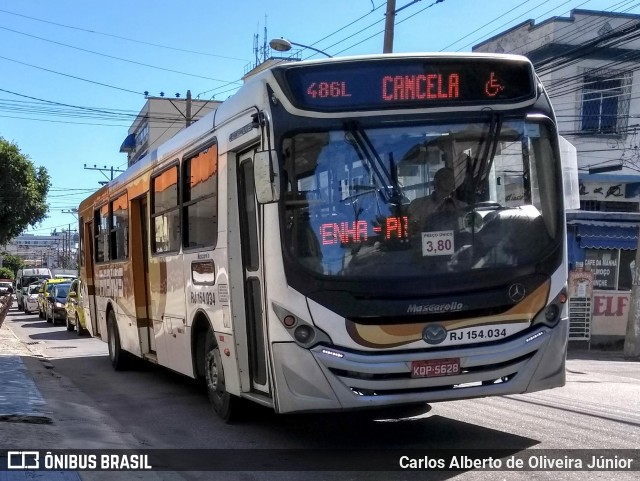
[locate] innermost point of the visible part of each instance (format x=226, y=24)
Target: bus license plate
x=435, y=367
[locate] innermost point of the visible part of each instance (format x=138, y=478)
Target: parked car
x=55, y=305
x=44, y=291
x=6, y=286
x=75, y=308
x=30, y=300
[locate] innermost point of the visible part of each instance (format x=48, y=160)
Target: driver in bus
x=442, y=199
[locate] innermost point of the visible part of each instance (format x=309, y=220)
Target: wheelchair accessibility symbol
x=493, y=87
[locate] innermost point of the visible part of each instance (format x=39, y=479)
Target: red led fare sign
x=410, y=83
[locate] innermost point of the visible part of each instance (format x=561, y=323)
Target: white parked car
x=6, y=287
x=31, y=299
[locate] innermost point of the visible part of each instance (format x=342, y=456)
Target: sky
x=74, y=73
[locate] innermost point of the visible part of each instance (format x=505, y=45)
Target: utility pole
x=390, y=22
x=187, y=115
x=389, y=25
x=68, y=252
x=188, y=109
x=103, y=169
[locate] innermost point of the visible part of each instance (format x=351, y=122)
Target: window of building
x=613, y=268
x=142, y=135
x=200, y=201
x=605, y=101
x=101, y=228
x=165, y=214
x=120, y=228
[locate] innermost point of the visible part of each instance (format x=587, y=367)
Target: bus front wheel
x=224, y=404
x=119, y=358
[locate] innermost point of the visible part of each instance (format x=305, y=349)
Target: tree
x=11, y=262
x=23, y=192
x=6, y=273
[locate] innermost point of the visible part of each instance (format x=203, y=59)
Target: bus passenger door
x=89, y=306
x=140, y=266
x=252, y=276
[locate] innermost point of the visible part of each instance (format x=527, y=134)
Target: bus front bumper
x=328, y=378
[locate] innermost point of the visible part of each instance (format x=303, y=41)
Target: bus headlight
x=551, y=314
x=303, y=333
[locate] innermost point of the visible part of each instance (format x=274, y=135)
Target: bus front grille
x=369, y=374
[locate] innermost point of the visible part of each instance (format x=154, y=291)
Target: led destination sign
x=413, y=83
x=332, y=233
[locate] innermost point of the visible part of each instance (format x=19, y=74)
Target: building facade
x=159, y=120
x=588, y=64
x=57, y=250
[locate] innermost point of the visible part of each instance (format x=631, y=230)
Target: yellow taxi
x=75, y=308
x=43, y=292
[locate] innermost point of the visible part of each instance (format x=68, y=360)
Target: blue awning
x=605, y=235
x=129, y=144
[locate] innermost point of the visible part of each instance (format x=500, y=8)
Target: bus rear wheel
x=225, y=405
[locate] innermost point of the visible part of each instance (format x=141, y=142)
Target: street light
x=284, y=45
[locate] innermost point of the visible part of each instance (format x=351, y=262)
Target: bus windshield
x=420, y=200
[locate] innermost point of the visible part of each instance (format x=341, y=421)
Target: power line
x=96, y=32
x=485, y=25
x=589, y=26
x=626, y=33
x=91, y=112
x=31, y=119
x=508, y=23
x=113, y=57
x=382, y=31
x=69, y=75
x=346, y=26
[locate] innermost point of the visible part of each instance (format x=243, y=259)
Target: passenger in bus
x=441, y=199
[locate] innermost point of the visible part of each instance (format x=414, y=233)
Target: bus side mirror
x=266, y=176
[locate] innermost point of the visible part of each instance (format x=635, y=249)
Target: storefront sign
x=604, y=264
x=607, y=191
x=610, y=313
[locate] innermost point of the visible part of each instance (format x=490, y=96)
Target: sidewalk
x=40, y=409
x=20, y=400
x=23, y=409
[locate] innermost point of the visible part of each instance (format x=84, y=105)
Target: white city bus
x=290, y=248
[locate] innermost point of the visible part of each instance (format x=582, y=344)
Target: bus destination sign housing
x=411, y=83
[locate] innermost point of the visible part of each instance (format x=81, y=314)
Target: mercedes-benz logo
x=434, y=334
x=517, y=292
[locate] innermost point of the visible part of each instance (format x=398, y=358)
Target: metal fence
x=5, y=304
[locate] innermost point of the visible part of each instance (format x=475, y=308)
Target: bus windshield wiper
x=485, y=160
x=369, y=156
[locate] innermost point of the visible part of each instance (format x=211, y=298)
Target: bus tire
x=120, y=359
x=225, y=405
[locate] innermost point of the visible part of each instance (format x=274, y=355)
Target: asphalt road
x=153, y=408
